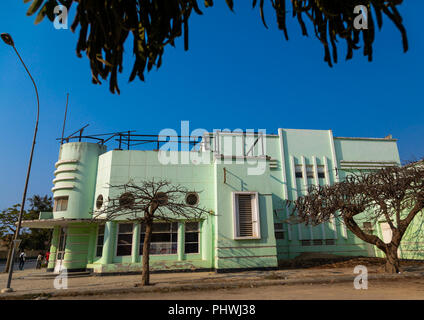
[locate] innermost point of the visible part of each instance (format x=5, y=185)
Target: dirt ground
x=377, y=290
x=328, y=261
x=290, y=278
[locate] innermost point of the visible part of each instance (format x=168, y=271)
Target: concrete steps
x=51, y=275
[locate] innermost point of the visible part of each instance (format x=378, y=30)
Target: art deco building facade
x=243, y=178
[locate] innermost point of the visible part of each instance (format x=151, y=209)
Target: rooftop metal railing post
x=129, y=140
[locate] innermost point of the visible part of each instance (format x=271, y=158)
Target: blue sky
x=237, y=74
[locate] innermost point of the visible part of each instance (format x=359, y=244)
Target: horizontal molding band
x=77, y=243
x=67, y=187
x=370, y=161
x=364, y=167
x=76, y=252
x=249, y=257
x=60, y=162
x=247, y=247
x=74, y=261
x=221, y=156
x=65, y=170
x=366, y=139
x=64, y=179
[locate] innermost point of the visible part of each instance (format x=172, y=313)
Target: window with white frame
x=321, y=172
x=310, y=172
x=164, y=238
x=191, y=237
x=100, y=239
x=305, y=243
x=60, y=203
x=246, y=215
x=298, y=171
x=279, y=231
x=125, y=236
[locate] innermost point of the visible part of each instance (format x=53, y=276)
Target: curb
x=205, y=286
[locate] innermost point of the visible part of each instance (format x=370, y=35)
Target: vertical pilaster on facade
x=180, y=249
x=206, y=242
x=109, y=237
x=295, y=192
x=316, y=179
x=215, y=227
x=284, y=177
x=53, y=247
x=327, y=182
x=305, y=185
x=135, y=251
x=336, y=172
x=92, y=230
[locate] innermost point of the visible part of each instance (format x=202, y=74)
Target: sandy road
x=377, y=290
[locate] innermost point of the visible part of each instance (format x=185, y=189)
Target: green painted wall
x=216, y=179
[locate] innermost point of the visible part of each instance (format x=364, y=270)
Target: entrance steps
x=52, y=275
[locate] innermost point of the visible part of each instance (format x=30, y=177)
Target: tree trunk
x=392, y=260
x=9, y=256
x=145, y=276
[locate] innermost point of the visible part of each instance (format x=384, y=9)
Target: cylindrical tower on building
x=75, y=180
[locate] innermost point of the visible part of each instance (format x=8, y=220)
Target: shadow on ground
x=325, y=261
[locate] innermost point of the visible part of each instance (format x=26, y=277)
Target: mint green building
x=244, y=178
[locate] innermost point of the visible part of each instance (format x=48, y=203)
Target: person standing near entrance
x=39, y=261
x=22, y=257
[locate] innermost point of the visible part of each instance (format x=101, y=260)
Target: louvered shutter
x=245, y=215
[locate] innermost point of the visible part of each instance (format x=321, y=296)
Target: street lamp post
x=9, y=41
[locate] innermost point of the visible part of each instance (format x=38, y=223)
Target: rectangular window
x=330, y=242
x=279, y=231
x=317, y=242
x=164, y=238
x=191, y=237
x=60, y=203
x=367, y=227
x=100, y=239
x=321, y=172
x=298, y=171
x=125, y=236
x=310, y=172
x=305, y=243
x=246, y=215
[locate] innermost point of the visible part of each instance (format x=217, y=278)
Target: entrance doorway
x=60, y=254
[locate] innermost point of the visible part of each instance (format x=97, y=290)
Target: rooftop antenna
x=64, y=120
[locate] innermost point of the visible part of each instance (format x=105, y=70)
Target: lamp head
x=7, y=38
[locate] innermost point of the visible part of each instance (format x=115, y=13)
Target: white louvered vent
x=245, y=215
x=273, y=163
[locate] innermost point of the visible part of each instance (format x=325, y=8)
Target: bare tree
x=394, y=195
x=148, y=202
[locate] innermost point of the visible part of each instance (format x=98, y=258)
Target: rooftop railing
x=130, y=139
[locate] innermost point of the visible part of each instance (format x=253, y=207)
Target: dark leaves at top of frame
x=104, y=27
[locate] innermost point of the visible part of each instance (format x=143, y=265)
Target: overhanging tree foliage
x=38, y=239
x=394, y=195
x=8, y=220
x=154, y=24
x=148, y=202
x=33, y=239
